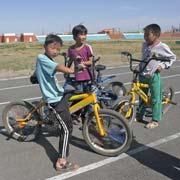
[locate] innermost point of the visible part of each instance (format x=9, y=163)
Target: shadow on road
x=158, y=161
x=51, y=152
x=80, y=143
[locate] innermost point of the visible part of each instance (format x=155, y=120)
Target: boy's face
x=149, y=37
x=53, y=49
x=81, y=37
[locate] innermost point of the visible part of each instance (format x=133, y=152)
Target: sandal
x=152, y=125
x=68, y=166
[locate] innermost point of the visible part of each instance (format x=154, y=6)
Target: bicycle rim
x=117, y=88
x=118, y=134
x=17, y=111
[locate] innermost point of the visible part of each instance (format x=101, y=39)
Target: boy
x=53, y=95
x=81, y=53
x=151, y=75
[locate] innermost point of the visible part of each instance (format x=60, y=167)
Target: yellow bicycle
x=105, y=131
x=127, y=107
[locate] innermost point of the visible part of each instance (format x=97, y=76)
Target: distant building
x=9, y=37
x=27, y=37
x=106, y=31
x=110, y=31
x=0, y=39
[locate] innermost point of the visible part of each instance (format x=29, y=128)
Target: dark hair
x=52, y=38
x=79, y=29
x=154, y=28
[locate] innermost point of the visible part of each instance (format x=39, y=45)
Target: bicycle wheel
x=167, y=94
x=118, y=133
x=116, y=89
x=127, y=110
x=18, y=110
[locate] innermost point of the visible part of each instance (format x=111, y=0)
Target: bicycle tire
x=20, y=110
x=123, y=107
x=118, y=89
x=168, y=92
x=118, y=133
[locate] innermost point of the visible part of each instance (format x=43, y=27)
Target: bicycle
x=105, y=131
x=127, y=107
x=108, y=94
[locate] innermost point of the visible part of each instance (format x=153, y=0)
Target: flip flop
x=152, y=125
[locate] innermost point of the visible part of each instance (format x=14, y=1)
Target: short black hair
x=52, y=38
x=154, y=28
x=79, y=29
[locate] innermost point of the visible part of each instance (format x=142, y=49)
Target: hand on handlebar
x=80, y=67
x=159, y=68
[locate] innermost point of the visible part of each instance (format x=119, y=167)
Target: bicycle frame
x=137, y=88
x=85, y=100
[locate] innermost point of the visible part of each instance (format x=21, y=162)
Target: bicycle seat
x=100, y=67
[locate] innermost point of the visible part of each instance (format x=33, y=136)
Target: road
x=154, y=154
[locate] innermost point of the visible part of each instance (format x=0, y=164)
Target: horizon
x=40, y=17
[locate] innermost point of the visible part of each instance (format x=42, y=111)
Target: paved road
x=154, y=154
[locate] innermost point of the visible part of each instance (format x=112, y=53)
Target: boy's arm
x=61, y=68
x=167, y=53
x=89, y=62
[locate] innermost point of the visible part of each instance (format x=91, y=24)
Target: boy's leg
x=156, y=100
x=61, y=110
x=65, y=121
x=156, y=97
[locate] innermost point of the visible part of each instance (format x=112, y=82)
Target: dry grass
x=19, y=58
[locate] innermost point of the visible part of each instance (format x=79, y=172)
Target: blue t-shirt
x=45, y=72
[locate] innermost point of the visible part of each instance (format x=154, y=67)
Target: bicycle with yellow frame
x=104, y=130
x=127, y=107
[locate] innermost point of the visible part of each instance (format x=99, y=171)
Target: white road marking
x=114, y=159
x=117, y=74
x=27, y=99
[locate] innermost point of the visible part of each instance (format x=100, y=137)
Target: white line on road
x=116, y=74
x=111, y=67
x=27, y=99
x=114, y=159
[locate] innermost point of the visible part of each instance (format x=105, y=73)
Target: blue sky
x=37, y=16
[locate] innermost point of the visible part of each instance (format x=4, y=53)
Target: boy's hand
x=80, y=67
x=159, y=68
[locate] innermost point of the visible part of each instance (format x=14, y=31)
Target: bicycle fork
x=99, y=120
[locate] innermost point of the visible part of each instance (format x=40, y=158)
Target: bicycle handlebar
x=129, y=56
x=95, y=60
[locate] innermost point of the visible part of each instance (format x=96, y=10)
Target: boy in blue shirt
x=53, y=95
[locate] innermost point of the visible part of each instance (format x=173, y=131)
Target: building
x=27, y=37
x=9, y=37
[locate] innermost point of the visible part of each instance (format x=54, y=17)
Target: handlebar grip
x=126, y=53
x=63, y=54
x=96, y=59
x=79, y=68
